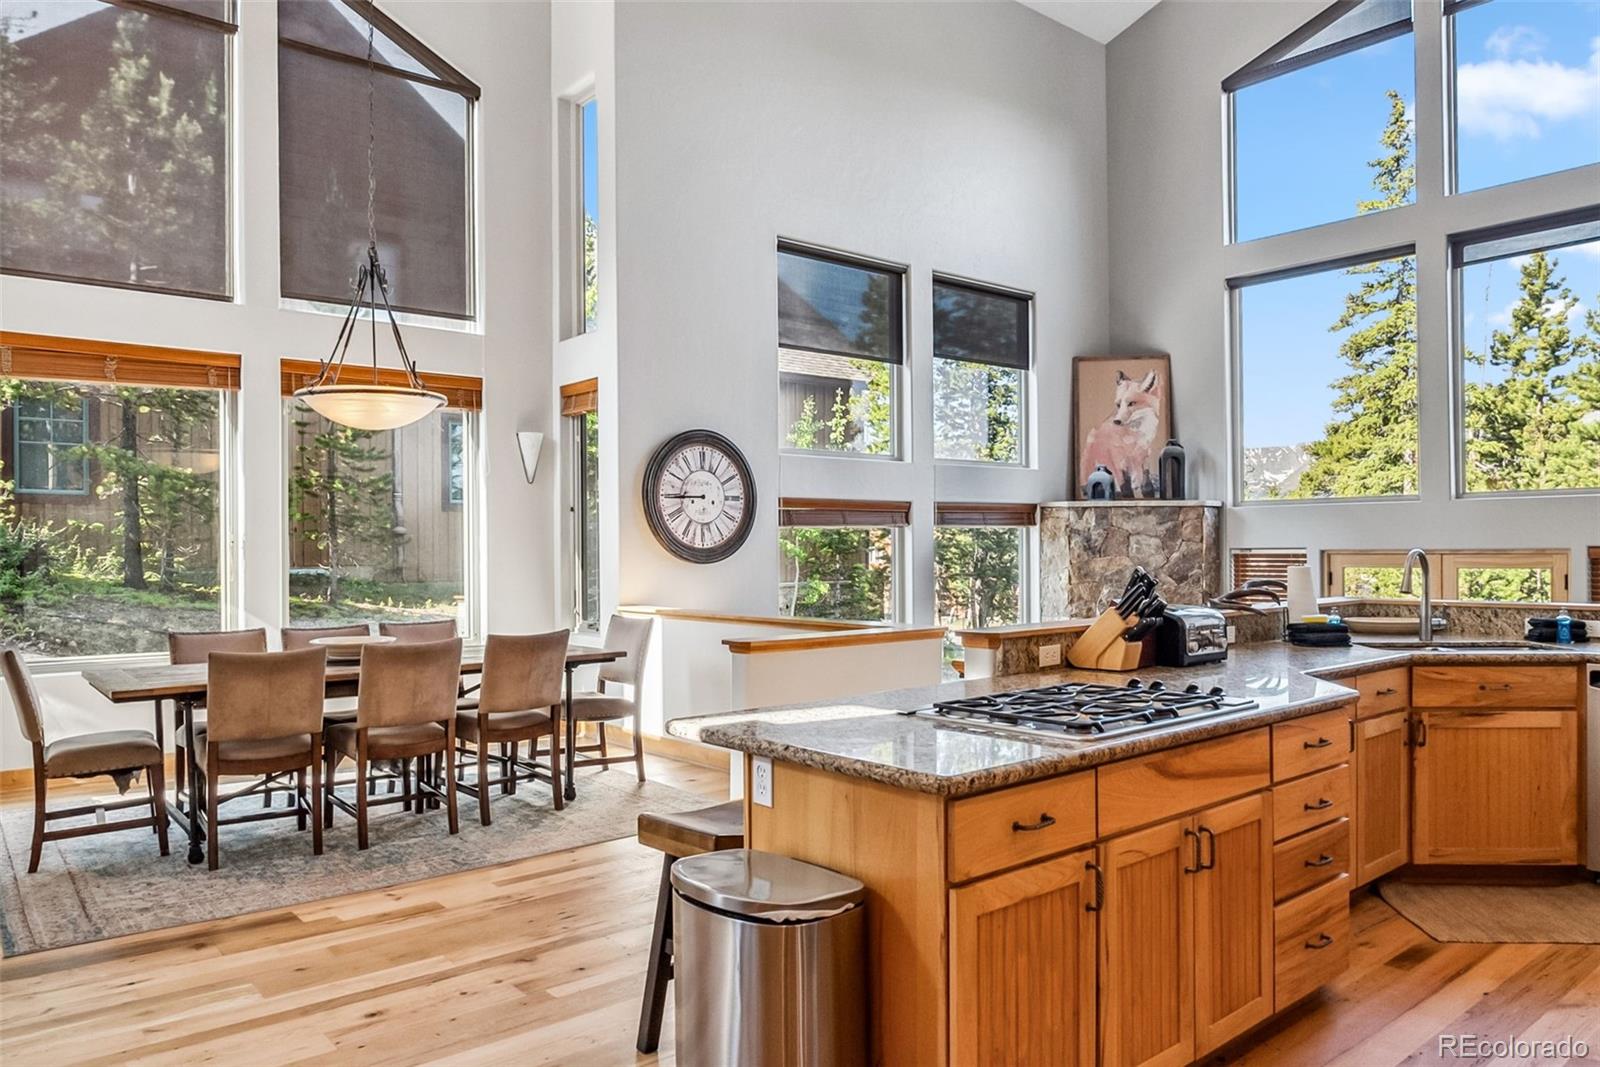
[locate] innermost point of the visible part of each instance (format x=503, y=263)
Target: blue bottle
x=1563, y=629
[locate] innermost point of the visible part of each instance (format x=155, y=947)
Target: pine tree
x=341, y=497
x=1370, y=447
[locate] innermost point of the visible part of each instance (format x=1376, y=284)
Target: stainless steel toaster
x=1190, y=634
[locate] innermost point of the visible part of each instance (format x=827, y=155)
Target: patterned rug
x=1500, y=914
x=109, y=885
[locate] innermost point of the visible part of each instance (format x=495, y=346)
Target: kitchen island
x=1149, y=896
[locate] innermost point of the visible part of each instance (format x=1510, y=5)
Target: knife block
x=1101, y=647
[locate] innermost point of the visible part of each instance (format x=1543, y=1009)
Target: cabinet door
x=1147, y=946
x=1495, y=787
x=1383, y=796
x=1232, y=921
x=1022, y=959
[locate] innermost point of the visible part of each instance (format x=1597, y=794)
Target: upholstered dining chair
x=294, y=637
x=405, y=710
x=264, y=719
x=630, y=635
x=411, y=633
x=193, y=646
x=83, y=756
x=521, y=690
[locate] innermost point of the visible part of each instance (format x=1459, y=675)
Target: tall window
x=1530, y=357
x=1308, y=114
x=840, y=347
x=422, y=157
x=1327, y=382
x=114, y=151
x=1526, y=88
x=374, y=533
x=1512, y=575
x=982, y=352
x=580, y=410
x=111, y=522
x=836, y=558
x=980, y=557
x=589, y=210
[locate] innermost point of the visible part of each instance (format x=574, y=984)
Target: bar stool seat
x=678, y=834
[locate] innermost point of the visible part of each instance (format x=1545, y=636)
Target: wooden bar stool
x=686, y=833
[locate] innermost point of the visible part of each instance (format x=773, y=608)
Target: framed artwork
x=1121, y=419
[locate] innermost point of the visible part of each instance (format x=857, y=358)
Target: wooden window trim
x=580, y=398
x=816, y=511
x=76, y=359
x=975, y=514
x=1445, y=567
x=1594, y=574
x=462, y=392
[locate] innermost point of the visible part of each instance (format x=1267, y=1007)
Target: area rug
x=1500, y=914
x=108, y=885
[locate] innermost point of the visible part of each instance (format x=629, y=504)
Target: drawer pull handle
x=1322, y=805
x=1504, y=687
x=1388, y=691
x=1321, y=861
x=1028, y=827
x=1099, y=900
x=1321, y=742
x=1322, y=941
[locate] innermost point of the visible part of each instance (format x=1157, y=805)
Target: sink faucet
x=1425, y=609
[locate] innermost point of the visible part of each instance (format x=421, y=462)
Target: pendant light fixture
x=369, y=405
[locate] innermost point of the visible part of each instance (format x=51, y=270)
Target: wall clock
x=700, y=496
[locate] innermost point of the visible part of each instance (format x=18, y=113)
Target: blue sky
x=591, y=158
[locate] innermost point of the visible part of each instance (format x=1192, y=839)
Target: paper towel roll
x=1302, y=593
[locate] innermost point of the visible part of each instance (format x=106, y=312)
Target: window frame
x=839, y=514
x=50, y=419
x=450, y=425
x=1025, y=390
x=1027, y=562
x=577, y=534
x=581, y=323
x=1445, y=566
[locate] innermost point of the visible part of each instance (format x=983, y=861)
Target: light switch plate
x=1049, y=655
x=761, y=781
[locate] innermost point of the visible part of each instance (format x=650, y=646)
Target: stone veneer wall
x=1087, y=549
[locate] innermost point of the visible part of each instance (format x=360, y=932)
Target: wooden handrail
x=886, y=635
x=784, y=622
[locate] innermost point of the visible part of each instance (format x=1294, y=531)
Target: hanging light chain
x=372, y=137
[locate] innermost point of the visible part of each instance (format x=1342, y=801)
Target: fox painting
x=1128, y=440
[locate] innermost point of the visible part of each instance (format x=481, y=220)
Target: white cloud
x=1507, y=41
x=1502, y=317
x=1509, y=97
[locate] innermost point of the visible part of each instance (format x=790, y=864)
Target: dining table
x=185, y=685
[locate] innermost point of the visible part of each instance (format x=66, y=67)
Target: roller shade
x=29, y=355
x=805, y=511
x=1250, y=564
x=986, y=514
x=976, y=325
x=461, y=392
x=839, y=306
x=580, y=398
x=1343, y=27
x=1547, y=234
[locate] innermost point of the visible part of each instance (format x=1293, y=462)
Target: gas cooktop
x=1089, y=710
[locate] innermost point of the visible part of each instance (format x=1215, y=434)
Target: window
x=836, y=558
x=980, y=554
x=580, y=403
x=840, y=349
x=422, y=155
x=1327, y=381
x=454, y=455
x=111, y=520
x=589, y=211
x=982, y=352
x=1311, y=112
x=373, y=534
x=1526, y=89
x=1539, y=575
x=1529, y=342
x=114, y=157
x=1270, y=564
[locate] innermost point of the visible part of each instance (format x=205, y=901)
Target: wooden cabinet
x=1495, y=687
x=1383, y=795
x=1495, y=786
x=1013, y=826
x=1186, y=948
x=1313, y=940
x=1316, y=742
x=1383, y=691
x=1022, y=966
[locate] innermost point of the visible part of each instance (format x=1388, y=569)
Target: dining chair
x=516, y=702
x=294, y=637
x=630, y=635
x=193, y=646
x=405, y=710
x=410, y=633
x=86, y=755
x=264, y=720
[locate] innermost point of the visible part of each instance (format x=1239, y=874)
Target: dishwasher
x=1591, y=851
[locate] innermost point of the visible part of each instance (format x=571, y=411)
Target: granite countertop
x=867, y=737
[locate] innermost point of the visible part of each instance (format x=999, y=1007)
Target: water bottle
x=1563, y=629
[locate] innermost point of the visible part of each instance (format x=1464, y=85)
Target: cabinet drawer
x=1309, y=859
x=1154, y=787
x=1014, y=826
x=1382, y=691
x=1312, y=936
x=1301, y=746
x=1494, y=687
x=1300, y=805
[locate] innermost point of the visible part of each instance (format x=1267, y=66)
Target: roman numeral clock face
x=699, y=496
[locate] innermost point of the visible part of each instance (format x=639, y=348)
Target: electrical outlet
x=1233, y=633
x=1049, y=655
x=761, y=781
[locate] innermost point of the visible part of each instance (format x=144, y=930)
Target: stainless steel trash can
x=769, y=964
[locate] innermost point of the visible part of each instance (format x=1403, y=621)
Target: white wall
x=1168, y=266
x=965, y=138
x=505, y=49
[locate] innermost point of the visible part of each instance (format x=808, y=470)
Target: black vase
x=1172, y=470
x=1102, y=485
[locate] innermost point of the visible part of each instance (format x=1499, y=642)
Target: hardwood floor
x=542, y=961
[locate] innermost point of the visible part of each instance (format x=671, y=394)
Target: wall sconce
x=528, y=443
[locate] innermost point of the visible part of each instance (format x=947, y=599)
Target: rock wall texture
x=1087, y=550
